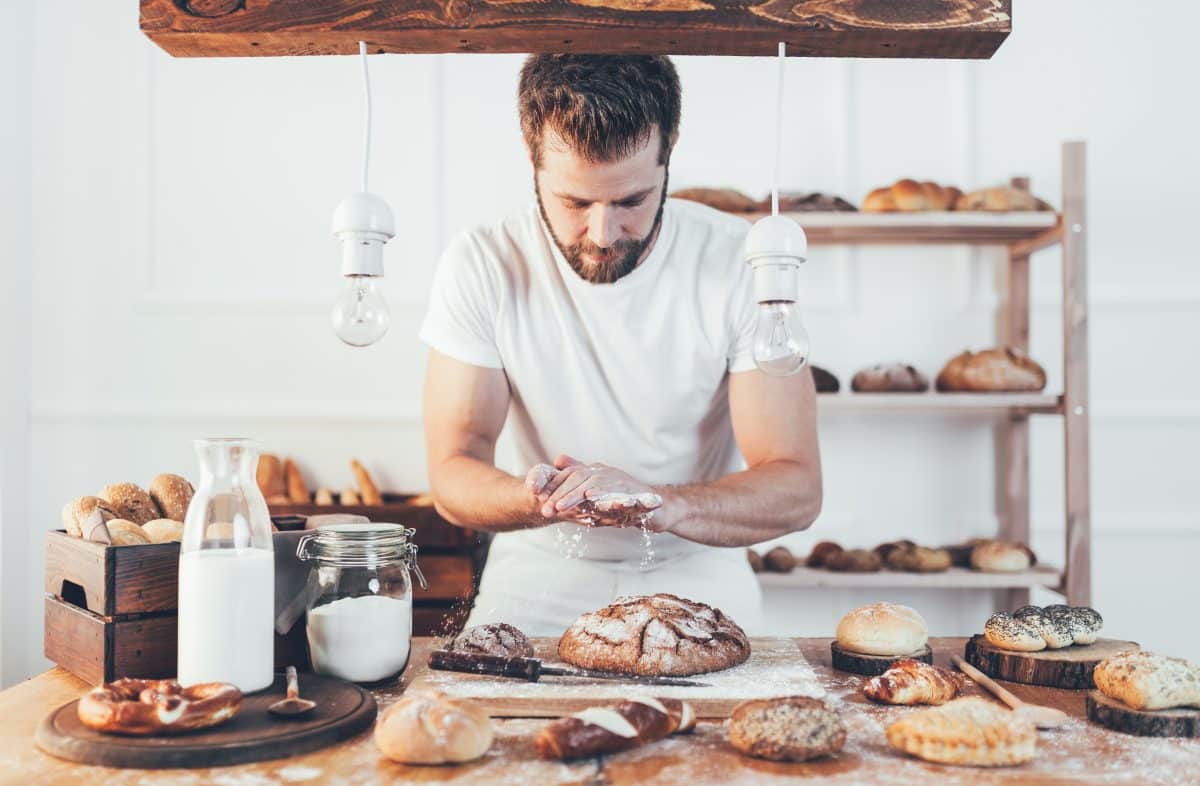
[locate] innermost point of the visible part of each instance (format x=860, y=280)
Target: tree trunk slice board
x=872, y=665
x=343, y=711
x=1118, y=716
x=1069, y=667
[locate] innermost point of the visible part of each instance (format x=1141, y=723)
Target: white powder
x=363, y=639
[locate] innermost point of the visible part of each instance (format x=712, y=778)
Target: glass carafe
x=227, y=573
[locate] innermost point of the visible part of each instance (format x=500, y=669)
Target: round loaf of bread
x=1001, y=369
x=1006, y=632
x=126, y=533
x=77, y=511
x=130, y=502
x=889, y=378
x=999, y=556
x=655, y=635
x=426, y=727
x=918, y=559
x=791, y=728
x=163, y=530
x=497, y=638
x=755, y=559
x=854, y=561
x=172, y=494
x=822, y=552
x=825, y=381
x=883, y=629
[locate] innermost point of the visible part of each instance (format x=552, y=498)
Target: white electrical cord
x=362, y=53
x=778, y=129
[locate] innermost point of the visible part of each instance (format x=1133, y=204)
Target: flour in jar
x=362, y=639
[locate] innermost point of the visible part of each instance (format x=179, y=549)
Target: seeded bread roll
x=791, y=728
x=1006, y=632
x=882, y=629
x=75, y=512
x=130, y=502
x=1055, y=629
x=126, y=533
x=172, y=494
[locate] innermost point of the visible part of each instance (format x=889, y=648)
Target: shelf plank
x=914, y=28
x=1035, y=229
x=942, y=403
x=954, y=578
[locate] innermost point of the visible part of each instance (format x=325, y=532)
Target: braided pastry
x=149, y=707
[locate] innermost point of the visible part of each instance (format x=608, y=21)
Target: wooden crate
x=101, y=649
x=112, y=580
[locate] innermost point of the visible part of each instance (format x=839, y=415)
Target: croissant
x=911, y=681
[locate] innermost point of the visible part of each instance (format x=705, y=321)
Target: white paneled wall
x=183, y=269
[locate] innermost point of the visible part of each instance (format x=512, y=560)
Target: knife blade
x=532, y=669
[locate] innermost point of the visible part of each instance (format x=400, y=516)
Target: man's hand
x=591, y=493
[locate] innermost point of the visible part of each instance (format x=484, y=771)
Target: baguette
x=368, y=492
x=297, y=492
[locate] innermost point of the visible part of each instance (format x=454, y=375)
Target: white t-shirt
x=633, y=374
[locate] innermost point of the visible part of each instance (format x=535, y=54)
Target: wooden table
x=1079, y=753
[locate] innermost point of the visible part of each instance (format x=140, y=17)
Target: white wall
x=16, y=287
x=183, y=271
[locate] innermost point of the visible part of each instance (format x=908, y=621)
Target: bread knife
x=532, y=669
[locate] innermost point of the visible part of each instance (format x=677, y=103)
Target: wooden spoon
x=293, y=705
x=1042, y=717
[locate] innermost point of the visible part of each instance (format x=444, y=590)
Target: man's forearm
x=744, y=508
x=473, y=493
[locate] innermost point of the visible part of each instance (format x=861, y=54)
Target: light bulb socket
x=362, y=256
x=363, y=222
x=776, y=278
x=776, y=236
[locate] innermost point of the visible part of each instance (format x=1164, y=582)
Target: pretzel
x=149, y=707
x=611, y=729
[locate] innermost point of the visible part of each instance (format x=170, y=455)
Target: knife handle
x=528, y=669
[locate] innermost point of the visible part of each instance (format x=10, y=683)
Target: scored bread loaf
x=1001, y=369
x=629, y=724
x=911, y=681
x=908, y=195
x=655, y=635
x=427, y=727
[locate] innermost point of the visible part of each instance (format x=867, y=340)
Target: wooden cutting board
x=776, y=668
x=343, y=710
x=1070, y=667
x=1116, y=715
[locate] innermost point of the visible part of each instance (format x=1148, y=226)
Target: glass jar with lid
x=359, y=599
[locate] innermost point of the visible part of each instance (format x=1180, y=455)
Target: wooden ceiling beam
x=812, y=28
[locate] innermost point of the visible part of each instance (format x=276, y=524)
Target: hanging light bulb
x=364, y=223
x=776, y=247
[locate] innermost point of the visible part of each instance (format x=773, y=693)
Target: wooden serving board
x=1070, y=667
x=1118, y=716
x=343, y=710
x=871, y=665
x=776, y=668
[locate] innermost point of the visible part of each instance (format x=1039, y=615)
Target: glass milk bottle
x=227, y=573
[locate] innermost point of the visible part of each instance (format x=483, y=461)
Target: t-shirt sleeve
x=743, y=313
x=463, y=306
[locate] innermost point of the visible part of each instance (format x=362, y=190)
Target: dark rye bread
x=497, y=638
x=655, y=635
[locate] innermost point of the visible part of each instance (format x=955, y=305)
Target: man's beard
x=616, y=261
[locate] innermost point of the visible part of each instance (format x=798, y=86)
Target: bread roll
x=889, y=378
x=999, y=556
x=1148, y=681
x=75, y=512
x=909, y=195
x=791, y=728
x=854, y=561
x=918, y=559
x=427, y=727
x=323, y=497
x=496, y=638
x=1006, y=632
x=882, y=629
x=1001, y=199
x=126, y=533
x=163, y=530
x=779, y=560
x=879, y=201
x=172, y=494
x=821, y=553
x=130, y=502
x=755, y=560
x=825, y=381
x=270, y=476
x=970, y=731
x=349, y=496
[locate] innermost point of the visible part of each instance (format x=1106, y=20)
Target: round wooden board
x=1115, y=715
x=872, y=665
x=343, y=710
x=1070, y=667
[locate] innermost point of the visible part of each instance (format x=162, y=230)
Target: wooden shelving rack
x=1021, y=234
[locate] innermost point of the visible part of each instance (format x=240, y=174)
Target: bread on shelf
x=996, y=370
x=908, y=195
x=889, y=378
x=729, y=200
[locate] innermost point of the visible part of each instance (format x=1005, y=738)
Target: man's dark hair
x=604, y=106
